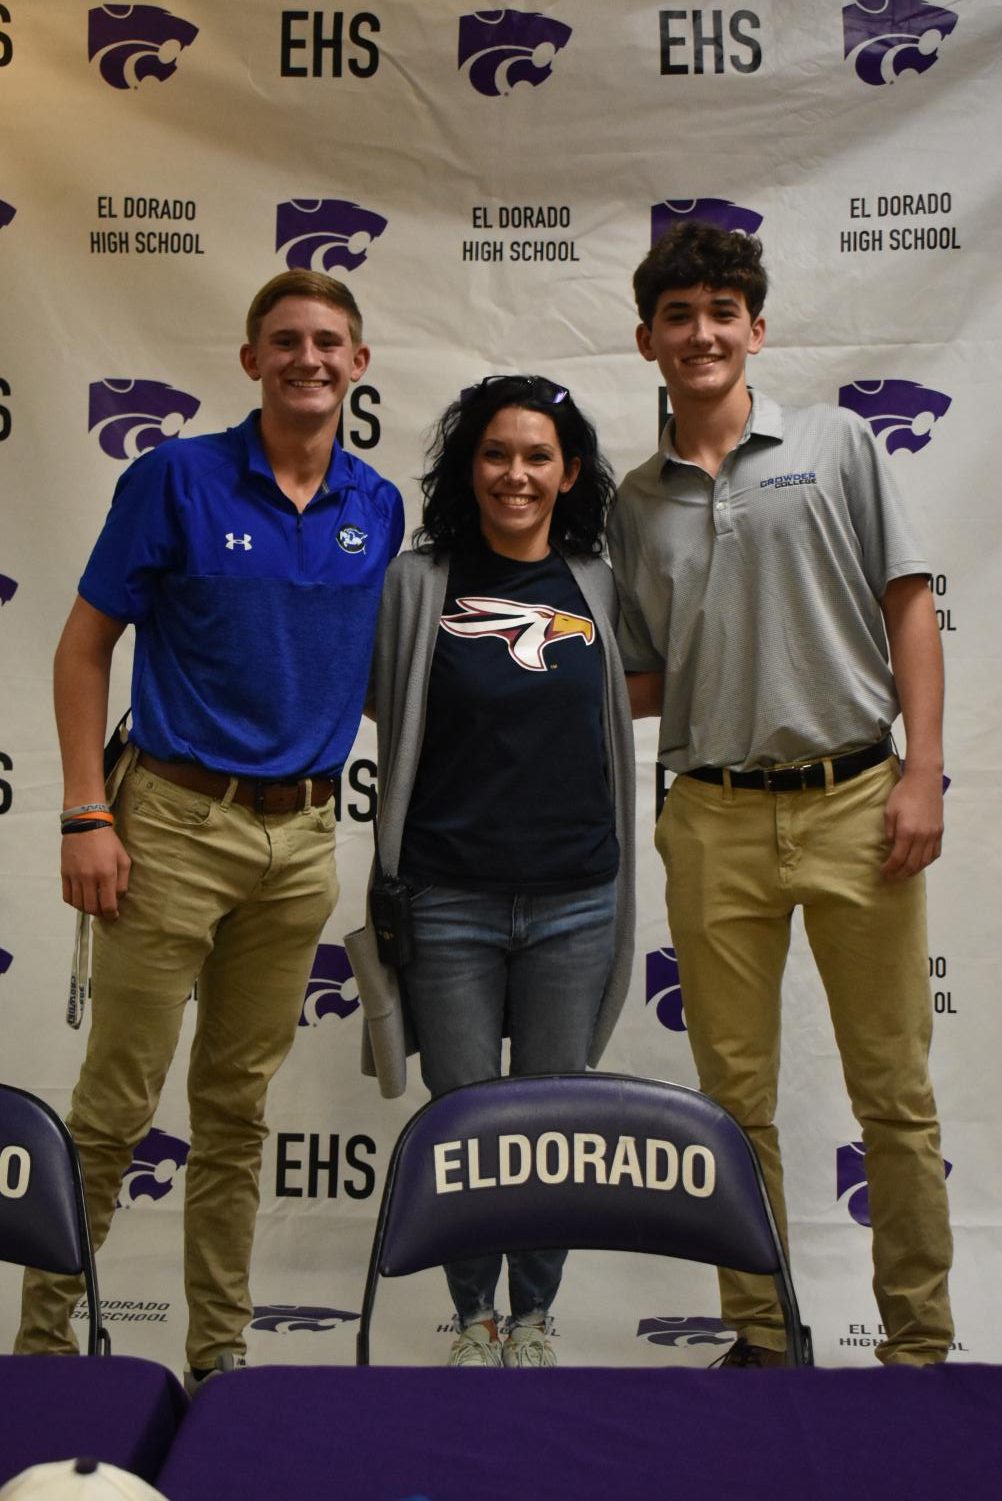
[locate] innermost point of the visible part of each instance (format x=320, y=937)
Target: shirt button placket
x=721, y=506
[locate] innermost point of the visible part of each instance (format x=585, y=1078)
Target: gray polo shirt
x=757, y=592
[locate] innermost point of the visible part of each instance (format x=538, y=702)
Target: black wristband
x=85, y=826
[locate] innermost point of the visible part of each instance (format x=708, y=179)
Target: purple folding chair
x=43, y=1213
x=568, y=1161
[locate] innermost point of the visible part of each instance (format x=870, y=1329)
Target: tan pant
x=738, y=862
x=237, y=901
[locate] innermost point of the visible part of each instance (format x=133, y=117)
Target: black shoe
x=744, y=1355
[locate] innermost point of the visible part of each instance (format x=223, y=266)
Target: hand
x=646, y=691
x=913, y=823
x=95, y=871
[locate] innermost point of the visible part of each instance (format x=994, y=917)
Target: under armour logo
x=232, y=542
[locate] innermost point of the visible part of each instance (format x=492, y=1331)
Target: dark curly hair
x=698, y=254
x=451, y=518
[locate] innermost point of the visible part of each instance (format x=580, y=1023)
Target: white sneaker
x=228, y=1361
x=475, y=1346
x=527, y=1345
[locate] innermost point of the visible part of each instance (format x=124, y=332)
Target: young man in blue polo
x=777, y=615
x=250, y=563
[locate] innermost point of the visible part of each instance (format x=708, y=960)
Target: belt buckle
x=768, y=772
x=292, y=800
x=800, y=769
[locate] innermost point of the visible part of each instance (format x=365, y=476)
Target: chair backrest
x=600, y=1161
x=43, y=1213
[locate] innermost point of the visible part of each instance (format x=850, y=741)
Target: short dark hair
x=303, y=283
x=698, y=254
x=451, y=518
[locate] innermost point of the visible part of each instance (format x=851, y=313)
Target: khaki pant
x=738, y=862
x=237, y=901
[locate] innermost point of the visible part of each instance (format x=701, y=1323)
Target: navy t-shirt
x=512, y=791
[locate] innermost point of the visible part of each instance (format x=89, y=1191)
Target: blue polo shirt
x=254, y=622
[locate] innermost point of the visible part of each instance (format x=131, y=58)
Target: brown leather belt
x=251, y=792
x=799, y=778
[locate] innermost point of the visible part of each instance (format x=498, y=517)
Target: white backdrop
x=486, y=184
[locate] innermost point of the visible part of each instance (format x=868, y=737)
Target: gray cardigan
x=413, y=598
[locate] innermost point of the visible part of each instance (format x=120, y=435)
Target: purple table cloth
x=114, y=1408
x=404, y=1434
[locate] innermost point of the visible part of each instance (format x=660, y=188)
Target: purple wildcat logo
x=134, y=42
x=8, y=588
x=850, y=1181
x=719, y=211
x=664, y=989
x=153, y=1170
x=684, y=1333
x=499, y=49
x=7, y=212
x=132, y=416
x=318, y=234
x=292, y=1318
x=886, y=38
x=902, y=412
x=6, y=960
x=331, y=990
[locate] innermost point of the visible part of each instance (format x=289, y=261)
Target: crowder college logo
x=318, y=234
x=663, y=989
x=153, y=1170
x=133, y=42
x=499, y=49
x=331, y=989
x=6, y=960
x=8, y=588
x=7, y=212
x=902, y=412
x=850, y=1181
x=131, y=416
x=886, y=38
x=292, y=1318
x=718, y=211
x=527, y=629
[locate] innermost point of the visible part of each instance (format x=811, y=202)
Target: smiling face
x=700, y=338
x=518, y=472
x=305, y=359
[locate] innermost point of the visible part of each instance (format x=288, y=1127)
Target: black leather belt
x=251, y=792
x=807, y=774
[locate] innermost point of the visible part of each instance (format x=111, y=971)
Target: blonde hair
x=303, y=283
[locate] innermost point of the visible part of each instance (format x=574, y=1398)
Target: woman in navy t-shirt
x=500, y=809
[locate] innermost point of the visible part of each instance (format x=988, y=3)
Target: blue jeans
x=535, y=966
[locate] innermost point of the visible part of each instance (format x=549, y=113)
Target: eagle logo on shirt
x=527, y=630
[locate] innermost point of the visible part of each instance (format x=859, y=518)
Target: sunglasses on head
x=537, y=385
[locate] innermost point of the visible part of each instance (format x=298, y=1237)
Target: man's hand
x=913, y=822
x=913, y=817
x=647, y=691
x=95, y=871
x=94, y=865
